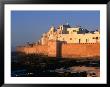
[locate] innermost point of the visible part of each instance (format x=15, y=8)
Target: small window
x=74, y=30
x=86, y=40
x=70, y=38
x=93, y=38
x=79, y=40
x=96, y=37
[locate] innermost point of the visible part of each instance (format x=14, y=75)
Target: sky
x=28, y=26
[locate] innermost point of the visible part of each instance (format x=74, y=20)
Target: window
x=79, y=40
x=86, y=40
x=96, y=37
x=70, y=38
x=93, y=38
x=74, y=30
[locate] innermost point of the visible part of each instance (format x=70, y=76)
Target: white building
x=71, y=35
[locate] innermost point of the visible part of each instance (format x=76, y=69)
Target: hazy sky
x=28, y=26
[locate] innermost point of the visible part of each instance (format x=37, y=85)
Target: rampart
x=37, y=49
x=64, y=50
x=80, y=50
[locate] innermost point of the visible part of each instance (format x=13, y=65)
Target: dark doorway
x=79, y=40
x=86, y=40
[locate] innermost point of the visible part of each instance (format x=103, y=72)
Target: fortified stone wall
x=59, y=49
x=80, y=50
x=38, y=49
